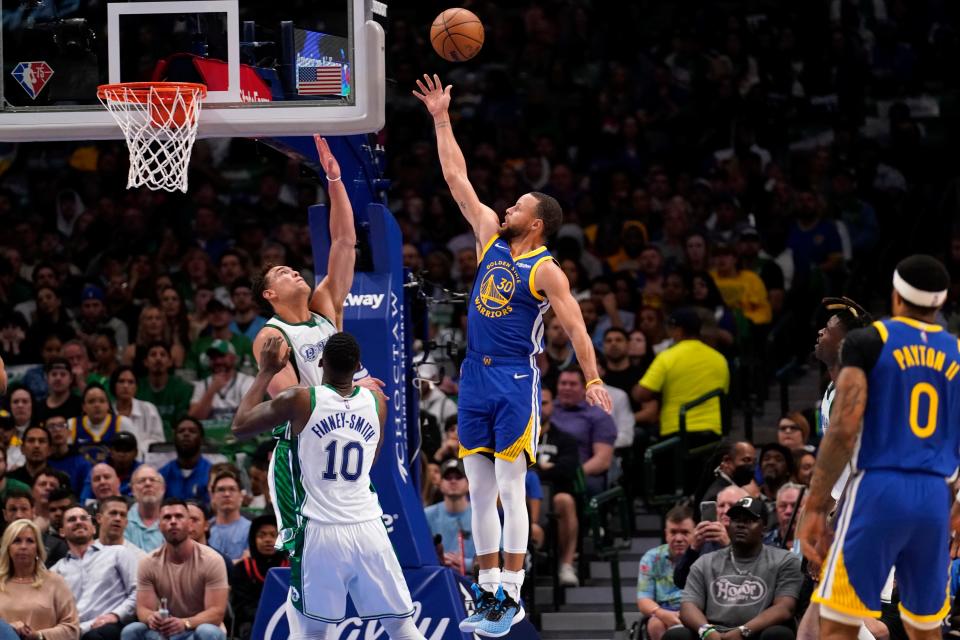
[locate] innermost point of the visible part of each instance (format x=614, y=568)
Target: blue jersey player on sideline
x=499, y=408
x=896, y=417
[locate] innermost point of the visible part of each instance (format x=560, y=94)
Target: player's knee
x=401, y=629
x=655, y=629
x=564, y=504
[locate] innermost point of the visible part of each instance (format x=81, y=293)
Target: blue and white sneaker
x=504, y=614
x=483, y=601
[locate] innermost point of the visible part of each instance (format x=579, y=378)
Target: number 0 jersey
x=912, y=416
x=334, y=453
x=505, y=312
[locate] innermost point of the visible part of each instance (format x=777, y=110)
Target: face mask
x=742, y=474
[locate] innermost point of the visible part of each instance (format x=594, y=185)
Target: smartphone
x=708, y=511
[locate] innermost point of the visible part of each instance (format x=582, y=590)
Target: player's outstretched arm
x=553, y=282
x=327, y=299
x=436, y=98
x=836, y=450
x=293, y=405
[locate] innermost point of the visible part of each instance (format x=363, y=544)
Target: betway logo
x=372, y=300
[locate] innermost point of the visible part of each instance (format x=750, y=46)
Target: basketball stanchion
x=159, y=122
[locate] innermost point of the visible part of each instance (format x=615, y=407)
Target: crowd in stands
x=721, y=169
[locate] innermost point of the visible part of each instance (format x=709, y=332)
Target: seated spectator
x=592, y=427
x=36, y=452
x=6, y=482
x=709, y=535
x=742, y=290
x=738, y=461
x=19, y=504
x=718, y=326
x=103, y=345
x=712, y=601
x=168, y=393
x=190, y=576
x=558, y=353
x=450, y=519
x=187, y=475
x=804, y=462
x=432, y=399
x=144, y=419
x=21, y=403
x=620, y=371
x=217, y=396
x=786, y=505
x=681, y=374
x=450, y=446
x=124, y=450
x=229, y=530
x=793, y=431
x=143, y=528
x=47, y=481
x=103, y=483
x=77, y=354
x=199, y=521
x=558, y=458
x=219, y=319
x=102, y=578
x=623, y=417
x=776, y=469
x=34, y=603
x=658, y=597
x=97, y=425
x=260, y=498
x=58, y=502
x=247, y=576
x=430, y=479
x=64, y=455
x=112, y=521
x=247, y=320
x=61, y=399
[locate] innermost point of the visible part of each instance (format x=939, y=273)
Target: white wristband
x=337, y=179
x=957, y=497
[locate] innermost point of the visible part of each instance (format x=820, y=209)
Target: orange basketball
x=456, y=35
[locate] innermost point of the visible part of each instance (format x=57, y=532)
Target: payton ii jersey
x=335, y=452
x=912, y=416
x=505, y=312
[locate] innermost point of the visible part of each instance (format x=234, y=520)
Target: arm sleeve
x=65, y=608
x=695, y=590
x=682, y=569
x=789, y=578
x=861, y=348
x=654, y=377
x=646, y=585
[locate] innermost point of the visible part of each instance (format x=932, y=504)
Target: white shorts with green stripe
x=332, y=560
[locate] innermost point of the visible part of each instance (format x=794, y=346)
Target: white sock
x=512, y=581
x=489, y=579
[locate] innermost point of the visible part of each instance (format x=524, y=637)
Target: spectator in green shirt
x=170, y=394
x=219, y=318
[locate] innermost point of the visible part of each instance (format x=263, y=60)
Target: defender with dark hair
x=517, y=281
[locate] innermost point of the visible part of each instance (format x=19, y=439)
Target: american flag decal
x=319, y=81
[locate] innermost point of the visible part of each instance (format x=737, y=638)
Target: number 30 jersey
x=335, y=452
x=912, y=417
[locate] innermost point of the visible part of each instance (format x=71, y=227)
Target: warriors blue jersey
x=912, y=417
x=505, y=316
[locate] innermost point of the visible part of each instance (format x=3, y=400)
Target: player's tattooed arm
x=836, y=450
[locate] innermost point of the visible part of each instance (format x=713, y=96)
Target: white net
x=159, y=122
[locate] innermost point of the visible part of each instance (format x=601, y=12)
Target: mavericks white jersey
x=335, y=452
x=306, y=341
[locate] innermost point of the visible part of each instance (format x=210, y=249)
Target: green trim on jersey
x=356, y=389
x=288, y=485
x=308, y=323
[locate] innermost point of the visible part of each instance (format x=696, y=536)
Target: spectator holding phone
x=709, y=534
x=658, y=597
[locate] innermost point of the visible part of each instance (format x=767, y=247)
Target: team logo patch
x=731, y=591
x=311, y=352
x=497, y=287
x=32, y=76
x=294, y=594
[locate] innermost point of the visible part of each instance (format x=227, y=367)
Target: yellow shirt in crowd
x=745, y=292
x=683, y=373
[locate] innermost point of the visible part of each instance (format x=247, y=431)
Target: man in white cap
x=895, y=416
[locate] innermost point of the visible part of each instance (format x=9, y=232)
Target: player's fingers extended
x=437, y=83
x=422, y=87
x=429, y=81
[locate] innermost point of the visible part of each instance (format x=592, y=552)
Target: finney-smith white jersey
x=335, y=451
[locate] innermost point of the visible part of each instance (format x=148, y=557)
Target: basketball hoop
x=159, y=122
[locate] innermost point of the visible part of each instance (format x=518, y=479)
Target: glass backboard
x=271, y=68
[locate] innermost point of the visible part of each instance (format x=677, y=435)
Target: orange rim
x=137, y=92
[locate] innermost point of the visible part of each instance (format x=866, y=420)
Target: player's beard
x=508, y=233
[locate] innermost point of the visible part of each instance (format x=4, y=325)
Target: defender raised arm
x=436, y=98
x=293, y=405
x=328, y=297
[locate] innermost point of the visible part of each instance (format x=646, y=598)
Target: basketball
x=457, y=35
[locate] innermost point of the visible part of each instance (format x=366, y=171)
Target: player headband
x=860, y=315
x=919, y=297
